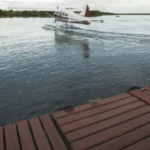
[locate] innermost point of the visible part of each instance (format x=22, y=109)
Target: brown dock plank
x=11, y=137
x=110, y=133
x=25, y=136
x=39, y=135
x=94, y=111
x=100, y=117
x=86, y=131
x=77, y=109
x=142, y=145
x=52, y=133
x=147, y=88
x=147, y=92
x=1, y=139
x=141, y=95
x=128, y=139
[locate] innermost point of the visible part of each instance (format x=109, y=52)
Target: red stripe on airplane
x=61, y=17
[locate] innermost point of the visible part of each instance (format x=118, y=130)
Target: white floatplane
x=67, y=15
x=70, y=17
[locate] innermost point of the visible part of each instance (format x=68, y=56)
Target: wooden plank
x=11, y=137
x=147, y=88
x=1, y=139
x=86, y=131
x=110, y=133
x=103, y=116
x=89, y=106
x=25, y=136
x=141, y=95
x=142, y=145
x=94, y=111
x=39, y=135
x=147, y=92
x=128, y=139
x=52, y=133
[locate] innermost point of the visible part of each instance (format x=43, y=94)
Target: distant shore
x=132, y=14
x=11, y=13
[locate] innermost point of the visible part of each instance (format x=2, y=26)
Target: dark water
x=43, y=70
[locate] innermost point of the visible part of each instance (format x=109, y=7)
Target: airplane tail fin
x=85, y=12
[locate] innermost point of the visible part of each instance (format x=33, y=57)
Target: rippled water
x=41, y=71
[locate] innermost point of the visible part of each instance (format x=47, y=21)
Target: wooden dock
x=119, y=122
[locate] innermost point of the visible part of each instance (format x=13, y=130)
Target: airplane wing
x=78, y=9
x=36, y=9
x=51, y=9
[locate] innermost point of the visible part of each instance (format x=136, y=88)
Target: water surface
x=41, y=71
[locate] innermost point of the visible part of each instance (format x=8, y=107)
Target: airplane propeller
x=48, y=14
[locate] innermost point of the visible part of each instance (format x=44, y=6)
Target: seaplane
x=68, y=16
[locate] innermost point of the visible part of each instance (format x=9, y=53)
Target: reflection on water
x=62, y=38
x=42, y=70
x=86, y=50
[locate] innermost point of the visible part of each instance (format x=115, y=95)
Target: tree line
x=98, y=13
x=25, y=13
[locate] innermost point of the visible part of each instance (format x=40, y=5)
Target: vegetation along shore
x=11, y=13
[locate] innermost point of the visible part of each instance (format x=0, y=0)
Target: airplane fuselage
x=71, y=17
